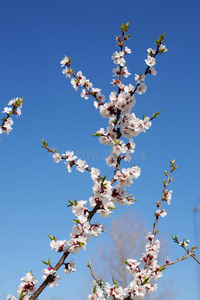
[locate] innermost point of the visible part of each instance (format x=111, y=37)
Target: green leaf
x=75, y=221
x=145, y=280
x=127, y=25
x=21, y=296
x=151, y=53
x=48, y=263
x=96, y=134
x=114, y=282
x=156, y=114
x=162, y=36
x=172, y=162
x=45, y=144
x=103, y=179
x=53, y=238
x=81, y=244
x=161, y=269
x=122, y=27
x=157, y=42
x=71, y=203
x=125, y=261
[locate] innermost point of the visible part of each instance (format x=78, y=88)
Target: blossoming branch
x=107, y=194
x=14, y=109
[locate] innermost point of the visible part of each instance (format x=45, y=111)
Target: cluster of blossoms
x=26, y=288
x=118, y=110
x=80, y=236
x=142, y=278
x=80, y=80
x=15, y=108
x=118, y=57
x=97, y=292
x=81, y=232
x=70, y=160
x=126, y=175
x=54, y=278
x=167, y=196
x=184, y=243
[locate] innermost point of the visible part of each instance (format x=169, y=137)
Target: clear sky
x=34, y=36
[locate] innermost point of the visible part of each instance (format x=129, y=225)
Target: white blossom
x=57, y=157
x=118, y=58
x=114, y=292
x=58, y=245
x=168, y=196
x=7, y=110
x=132, y=265
x=75, y=244
x=95, y=173
x=81, y=211
x=161, y=212
x=81, y=165
x=150, y=61
x=96, y=229
x=67, y=72
x=127, y=50
x=75, y=84
x=126, y=175
x=51, y=271
x=28, y=286
x=139, y=78
x=152, y=71
x=70, y=267
x=97, y=293
x=125, y=72
x=84, y=94
x=162, y=48
x=141, y=89
x=64, y=61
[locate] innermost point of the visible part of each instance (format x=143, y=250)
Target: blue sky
x=34, y=36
